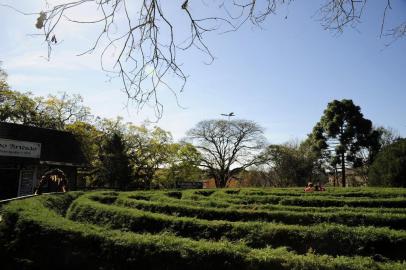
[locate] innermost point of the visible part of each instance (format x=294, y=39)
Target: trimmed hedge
x=395, y=221
x=331, y=192
x=318, y=201
x=324, y=238
x=399, y=202
x=34, y=236
x=219, y=203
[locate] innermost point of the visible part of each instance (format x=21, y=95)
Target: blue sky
x=281, y=76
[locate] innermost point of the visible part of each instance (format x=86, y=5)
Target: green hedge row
x=213, y=202
x=324, y=238
x=315, y=201
x=34, y=236
x=394, y=221
x=338, y=192
x=399, y=202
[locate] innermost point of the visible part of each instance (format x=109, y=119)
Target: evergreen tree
x=341, y=134
x=115, y=165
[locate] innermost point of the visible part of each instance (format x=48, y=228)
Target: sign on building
x=12, y=148
x=189, y=185
x=27, y=179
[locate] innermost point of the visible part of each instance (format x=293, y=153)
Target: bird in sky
x=229, y=114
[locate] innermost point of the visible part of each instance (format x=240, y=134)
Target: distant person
x=309, y=187
x=321, y=188
x=54, y=181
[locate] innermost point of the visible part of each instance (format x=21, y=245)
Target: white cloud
x=66, y=60
x=14, y=79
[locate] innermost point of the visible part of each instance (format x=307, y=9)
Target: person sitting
x=321, y=188
x=309, y=187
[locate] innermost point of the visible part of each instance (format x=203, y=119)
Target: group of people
x=52, y=181
x=310, y=187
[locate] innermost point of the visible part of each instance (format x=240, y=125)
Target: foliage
x=389, y=167
x=149, y=149
x=3, y=82
x=341, y=134
x=256, y=177
x=50, y=112
x=154, y=160
x=393, y=220
x=254, y=234
x=227, y=147
x=115, y=162
x=292, y=164
x=181, y=166
x=380, y=137
x=89, y=138
x=387, y=136
x=97, y=231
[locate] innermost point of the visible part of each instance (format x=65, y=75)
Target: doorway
x=9, y=183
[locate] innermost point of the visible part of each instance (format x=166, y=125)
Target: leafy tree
x=88, y=136
x=389, y=167
x=387, y=136
x=90, y=139
x=3, y=77
x=148, y=150
x=379, y=138
x=51, y=112
x=256, y=177
x=291, y=164
x=63, y=110
x=115, y=162
x=20, y=108
x=341, y=134
x=181, y=165
x=227, y=147
x=140, y=148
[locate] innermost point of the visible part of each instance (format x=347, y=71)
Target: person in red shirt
x=309, y=187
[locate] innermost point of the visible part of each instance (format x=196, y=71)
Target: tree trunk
x=217, y=181
x=221, y=181
x=335, y=176
x=343, y=169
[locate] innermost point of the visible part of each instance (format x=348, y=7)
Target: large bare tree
x=227, y=147
x=146, y=37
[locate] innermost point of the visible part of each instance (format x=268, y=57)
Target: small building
x=28, y=152
x=211, y=183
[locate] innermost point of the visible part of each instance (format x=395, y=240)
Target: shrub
x=396, y=221
x=389, y=167
x=35, y=233
x=325, y=238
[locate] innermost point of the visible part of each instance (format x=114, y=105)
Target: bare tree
x=338, y=14
x=227, y=147
x=147, y=45
x=147, y=36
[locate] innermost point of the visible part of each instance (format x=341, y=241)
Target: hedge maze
x=207, y=229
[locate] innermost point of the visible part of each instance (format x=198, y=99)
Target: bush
x=389, y=167
x=325, y=238
x=35, y=234
x=395, y=221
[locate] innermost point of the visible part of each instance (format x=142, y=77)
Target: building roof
x=57, y=147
